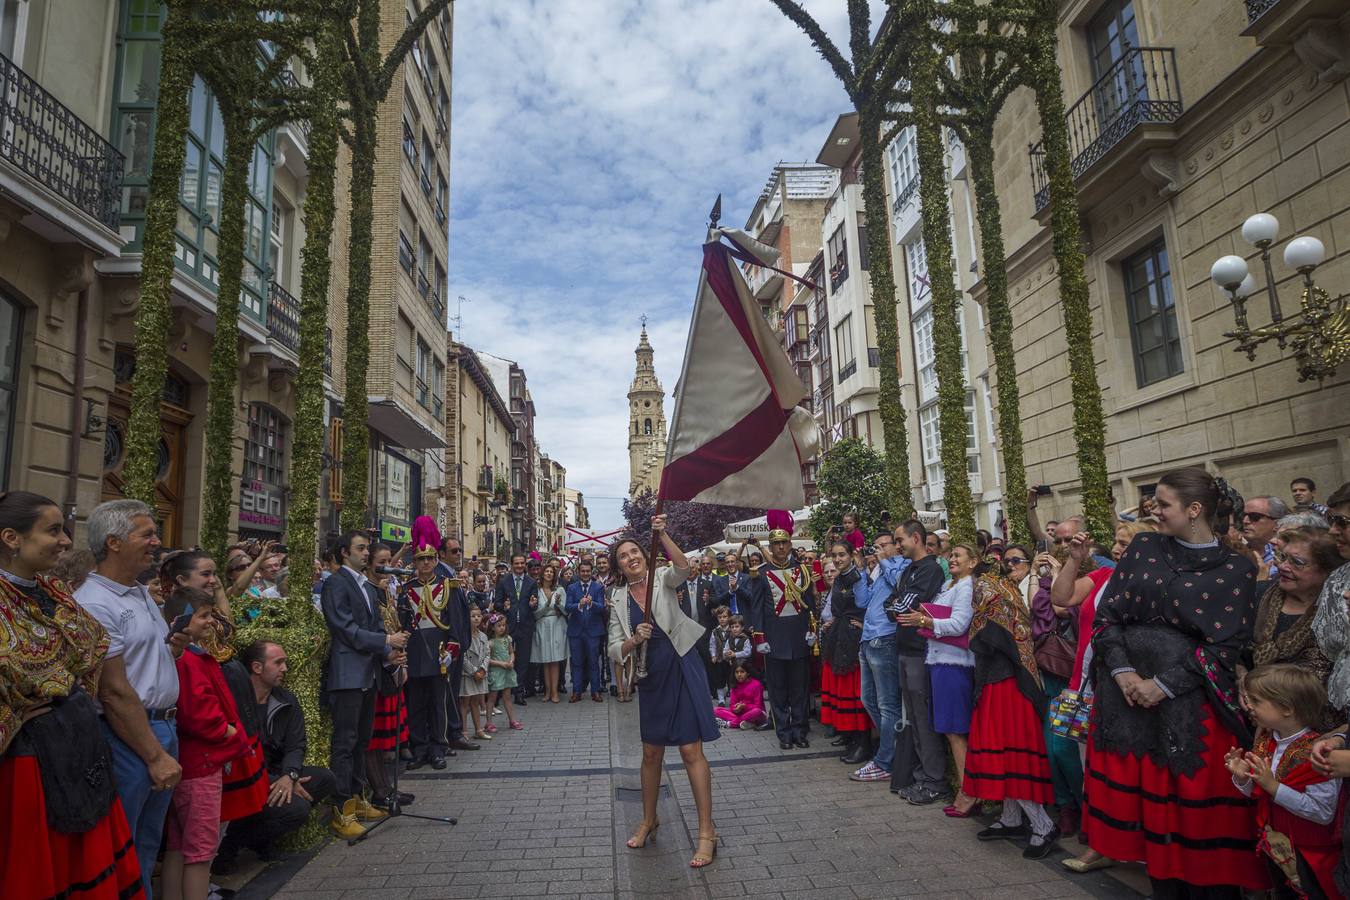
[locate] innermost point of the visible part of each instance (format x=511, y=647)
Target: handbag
x=1055, y=653
x=938, y=611
x=1070, y=712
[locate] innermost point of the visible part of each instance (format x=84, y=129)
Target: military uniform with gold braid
x=432, y=649
x=782, y=613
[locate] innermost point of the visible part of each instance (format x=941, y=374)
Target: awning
x=402, y=426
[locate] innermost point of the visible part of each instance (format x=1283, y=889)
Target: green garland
x=1089, y=427
x=154, y=315
x=936, y=215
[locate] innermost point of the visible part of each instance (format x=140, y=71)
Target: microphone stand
x=395, y=807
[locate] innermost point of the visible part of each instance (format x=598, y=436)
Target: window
x=265, y=446
x=409, y=140
x=11, y=333
x=1112, y=33
x=424, y=265
x=403, y=345
x=1153, y=315
x=931, y=438
x=14, y=28
x=647, y=426
x=838, y=255
x=423, y=372
x=843, y=343
x=916, y=262
x=405, y=253
x=925, y=358
x=428, y=157
x=862, y=240
x=442, y=197
x=902, y=158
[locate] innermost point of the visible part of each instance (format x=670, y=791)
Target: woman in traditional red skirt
x=62, y=831
x=390, y=730
x=841, y=678
x=1169, y=629
x=1006, y=758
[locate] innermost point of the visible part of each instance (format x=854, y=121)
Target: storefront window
x=396, y=491
x=262, y=498
x=11, y=333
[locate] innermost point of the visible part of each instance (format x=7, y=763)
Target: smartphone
x=280, y=549
x=1043, y=546
x=179, y=624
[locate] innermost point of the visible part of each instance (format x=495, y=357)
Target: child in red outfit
x=210, y=736
x=745, y=709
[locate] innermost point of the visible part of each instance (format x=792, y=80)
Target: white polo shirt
x=136, y=632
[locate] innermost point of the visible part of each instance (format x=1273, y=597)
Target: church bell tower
x=646, y=421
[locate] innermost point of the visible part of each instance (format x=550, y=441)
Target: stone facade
x=479, y=434
x=1263, y=126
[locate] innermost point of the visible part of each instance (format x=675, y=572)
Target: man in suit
x=701, y=593
x=782, y=601
x=358, y=647
x=728, y=588
x=457, y=619
x=585, y=632
x=518, y=597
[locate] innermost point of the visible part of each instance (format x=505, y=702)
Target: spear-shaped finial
x=716, y=212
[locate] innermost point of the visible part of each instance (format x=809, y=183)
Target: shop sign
x=262, y=506
x=394, y=533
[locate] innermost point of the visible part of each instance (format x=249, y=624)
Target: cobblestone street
x=536, y=820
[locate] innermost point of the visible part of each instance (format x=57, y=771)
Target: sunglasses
x=1255, y=517
x=1339, y=521
x=1015, y=560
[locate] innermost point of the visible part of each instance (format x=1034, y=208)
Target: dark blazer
x=786, y=635
x=704, y=598
x=588, y=622
x=739, y=602
x=356, y=632
x=520, y=616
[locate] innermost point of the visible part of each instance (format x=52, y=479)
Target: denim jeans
x=881, y=693
x=144, y=806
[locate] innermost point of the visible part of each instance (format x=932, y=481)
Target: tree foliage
x=691, y=525
x=851, y=479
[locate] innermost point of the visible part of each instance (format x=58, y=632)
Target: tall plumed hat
x=426, y=537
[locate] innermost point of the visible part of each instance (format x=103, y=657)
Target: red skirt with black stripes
x=841, y=700
x=244, y=788
x=1197, y=828
x=37, y=862
x=1006, y=759
x=391, y=722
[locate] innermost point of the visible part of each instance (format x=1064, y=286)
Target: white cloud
x=588, y=143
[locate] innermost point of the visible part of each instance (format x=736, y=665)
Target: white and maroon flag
x=737, y=436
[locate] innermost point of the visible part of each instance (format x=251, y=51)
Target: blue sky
x=588, y=142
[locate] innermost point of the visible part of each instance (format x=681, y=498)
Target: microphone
x=393, y=570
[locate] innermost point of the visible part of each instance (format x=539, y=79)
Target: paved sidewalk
x=545, y=812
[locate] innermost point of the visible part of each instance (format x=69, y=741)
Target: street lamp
x=1319, y=333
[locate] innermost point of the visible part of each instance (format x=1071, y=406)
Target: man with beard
x=782, y=604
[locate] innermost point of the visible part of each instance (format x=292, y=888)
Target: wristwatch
x=294, y=775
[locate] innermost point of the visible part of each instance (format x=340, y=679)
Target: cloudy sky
x=589, y=140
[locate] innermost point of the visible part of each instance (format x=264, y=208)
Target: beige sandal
x=645, y=832
x=702, y=859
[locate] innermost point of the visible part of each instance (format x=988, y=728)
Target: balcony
x=434, y=301
x=1258, y=8
x=1132, y=106
x=485, y=478
x=44, y=140
x=1317, y=29
x=423, y=285
x=283, y=317
x=849, y=370
x=907, y=193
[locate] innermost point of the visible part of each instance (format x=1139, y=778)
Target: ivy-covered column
x=1089, y=426
x=881, y=272
x=937, y=239
x=355, y=406
x=218, y=491
x=154, y=315
x=980, y=153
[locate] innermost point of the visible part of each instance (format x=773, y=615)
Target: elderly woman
x=1170, y=626
x=840, y=677
x=64, y=831
x=674, y=704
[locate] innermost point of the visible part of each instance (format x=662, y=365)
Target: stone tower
x=646, y=422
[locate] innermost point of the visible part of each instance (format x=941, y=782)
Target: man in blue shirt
x=878, y=661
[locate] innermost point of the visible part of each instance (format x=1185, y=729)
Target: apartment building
x=1175, y=142
x=78, y=91
x=510, y=381
x=480, y=431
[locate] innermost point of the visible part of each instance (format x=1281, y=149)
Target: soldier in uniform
x=782, y=610
x=425, y=605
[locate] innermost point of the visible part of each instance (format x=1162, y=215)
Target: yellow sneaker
x=360, y=809
x=344, y=826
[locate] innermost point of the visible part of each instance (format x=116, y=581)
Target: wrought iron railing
x=434, y=301
x=847, y=371
x=423, y=285
x=42, y=137
x=906, y=194
x=1257, y=8
x=485, y=478
x=1140, y=88
x=283, y=317
x=288, y=79
x=422, y=393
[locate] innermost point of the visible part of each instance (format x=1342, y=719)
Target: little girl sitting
x=745, y=709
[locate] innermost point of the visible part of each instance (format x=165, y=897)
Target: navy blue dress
x=674, y=705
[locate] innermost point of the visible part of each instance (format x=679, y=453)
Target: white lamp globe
x=1260, y=227
x=1304, y=253
x=1246, y=288
x=1228, y=271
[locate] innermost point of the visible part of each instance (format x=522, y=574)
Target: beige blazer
x=683, y=631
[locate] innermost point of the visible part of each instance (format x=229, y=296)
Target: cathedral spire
x=646, y=420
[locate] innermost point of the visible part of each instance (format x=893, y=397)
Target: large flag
x=737, y=436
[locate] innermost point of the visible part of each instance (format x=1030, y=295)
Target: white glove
x=810, y=639
x=762, y=647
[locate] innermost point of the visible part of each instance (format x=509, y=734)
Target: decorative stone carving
x=1325, y=47
x=1161, y=170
